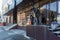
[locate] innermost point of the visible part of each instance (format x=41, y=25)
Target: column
x=15, y=13
x=8, y=19
x=12, y=19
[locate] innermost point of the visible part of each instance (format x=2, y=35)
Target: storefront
x=49, y=13
x=43, y=13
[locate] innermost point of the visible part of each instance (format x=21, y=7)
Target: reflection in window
x=49, y=12
x=53, y=6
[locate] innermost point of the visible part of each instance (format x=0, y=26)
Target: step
x=57, y=32
x=57, y=29
x=58, y=35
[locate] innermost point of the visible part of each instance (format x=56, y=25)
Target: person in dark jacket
x=32, y=19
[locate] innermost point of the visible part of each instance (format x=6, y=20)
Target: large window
x=59, y=7
x=58, y=17
x=50, y=12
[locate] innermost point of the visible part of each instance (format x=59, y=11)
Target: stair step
x=57, y=32
x=57, y=29
x=50, y=29
x=58, y=35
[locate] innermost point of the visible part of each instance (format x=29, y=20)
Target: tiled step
x=57, y=29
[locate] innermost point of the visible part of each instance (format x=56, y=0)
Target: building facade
x=47, y=10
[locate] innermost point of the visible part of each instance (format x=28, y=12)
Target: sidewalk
x=13, y=34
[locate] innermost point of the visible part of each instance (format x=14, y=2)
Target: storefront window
x=59, y=7
x=50, y=12
x=58, y=16
x=53, y=6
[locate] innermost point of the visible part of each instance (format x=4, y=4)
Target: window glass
x=53, y=6
x=49, y=11
x=59, y=7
